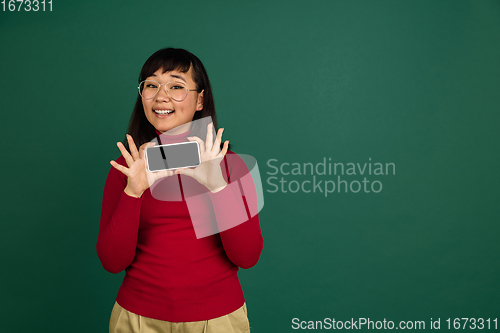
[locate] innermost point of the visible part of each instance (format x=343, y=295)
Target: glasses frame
x=164, y=84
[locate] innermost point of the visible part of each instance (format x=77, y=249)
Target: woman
x=175, y=280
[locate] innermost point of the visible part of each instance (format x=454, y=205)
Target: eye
x=176, y=87
x=150, y=84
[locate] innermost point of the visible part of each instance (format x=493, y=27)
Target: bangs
x=168, y=59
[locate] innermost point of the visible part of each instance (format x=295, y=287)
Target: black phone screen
x=173, y=156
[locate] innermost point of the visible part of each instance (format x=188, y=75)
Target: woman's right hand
x=138, y=176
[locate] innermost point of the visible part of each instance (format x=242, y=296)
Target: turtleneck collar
x=167, y=139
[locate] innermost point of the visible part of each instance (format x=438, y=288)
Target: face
x=183, y=111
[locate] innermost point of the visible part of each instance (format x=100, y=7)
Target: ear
x=199, y=104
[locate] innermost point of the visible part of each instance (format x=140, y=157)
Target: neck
x=177, y=130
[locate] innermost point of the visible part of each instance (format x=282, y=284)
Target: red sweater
x=170, y=274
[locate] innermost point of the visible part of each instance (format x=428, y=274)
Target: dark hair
x=170, y=59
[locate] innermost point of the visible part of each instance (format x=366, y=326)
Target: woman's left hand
x=208, y=173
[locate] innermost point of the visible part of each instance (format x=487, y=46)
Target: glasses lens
x=177, y=91
x=148, y=89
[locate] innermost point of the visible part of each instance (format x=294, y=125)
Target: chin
x=162, y=129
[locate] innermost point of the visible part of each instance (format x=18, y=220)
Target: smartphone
x=173, y=156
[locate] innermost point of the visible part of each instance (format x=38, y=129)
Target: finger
x=217, y=142
x=210, y=137
x=200, y=143
x=133, y=148
x=125, y=154
x=185, y=171
x=119, y=167
x=224, y=150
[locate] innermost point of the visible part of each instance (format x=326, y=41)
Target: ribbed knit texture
x=170, y=274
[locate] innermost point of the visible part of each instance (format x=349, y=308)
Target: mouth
x=165, y=113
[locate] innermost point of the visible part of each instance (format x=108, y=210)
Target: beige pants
x=123, y=321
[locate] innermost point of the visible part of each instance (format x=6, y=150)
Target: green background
x=414, y=83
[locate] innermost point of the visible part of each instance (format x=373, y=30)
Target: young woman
x=174, y=280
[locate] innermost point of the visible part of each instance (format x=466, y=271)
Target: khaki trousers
x=124, y=321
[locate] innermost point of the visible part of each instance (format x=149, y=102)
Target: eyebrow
x=178, y=77
x=174, y=75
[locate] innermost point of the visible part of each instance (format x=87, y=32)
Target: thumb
x=185, y=171
x=142, y=148
x=154, y=176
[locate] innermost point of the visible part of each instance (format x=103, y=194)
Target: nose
x=162, y=94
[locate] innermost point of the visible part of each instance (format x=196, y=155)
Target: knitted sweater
x=169, y=273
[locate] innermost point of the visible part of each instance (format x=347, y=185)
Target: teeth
x=163, y=111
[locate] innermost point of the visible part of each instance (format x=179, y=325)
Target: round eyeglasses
x=175, y=90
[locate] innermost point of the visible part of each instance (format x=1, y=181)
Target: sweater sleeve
x=236, y=212
x=119, y=226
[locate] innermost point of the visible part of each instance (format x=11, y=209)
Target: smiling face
x=156, y=108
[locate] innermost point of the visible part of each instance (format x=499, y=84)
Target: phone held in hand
x=173, y=156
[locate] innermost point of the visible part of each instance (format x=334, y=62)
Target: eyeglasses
x=175, y=90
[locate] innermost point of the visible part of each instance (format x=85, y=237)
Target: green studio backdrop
x=402, y=94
